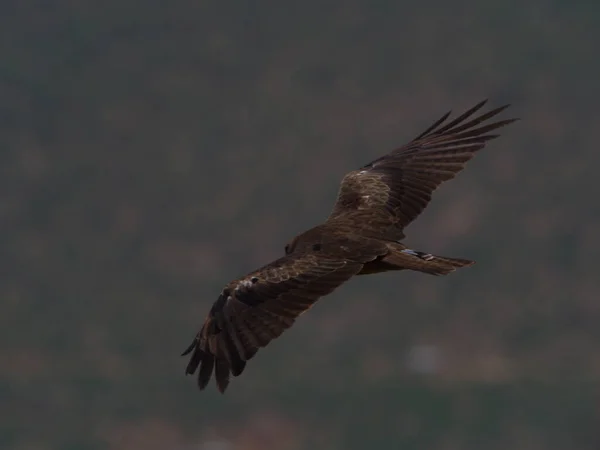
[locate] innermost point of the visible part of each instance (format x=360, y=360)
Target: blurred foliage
x=152, y=151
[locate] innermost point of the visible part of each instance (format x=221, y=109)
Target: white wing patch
x=243, y=284
x=421, y=255
x=246, y=283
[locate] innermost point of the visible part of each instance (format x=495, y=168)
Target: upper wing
x=387, y=194
x=252, y=311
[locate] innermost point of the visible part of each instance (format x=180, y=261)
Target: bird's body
x=361, y=236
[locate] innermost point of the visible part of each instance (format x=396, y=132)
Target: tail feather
x=444, y=265
x=424, y=262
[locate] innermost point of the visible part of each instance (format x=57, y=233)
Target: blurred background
x=153, y=151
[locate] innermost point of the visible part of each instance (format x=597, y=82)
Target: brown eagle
x=361, y=236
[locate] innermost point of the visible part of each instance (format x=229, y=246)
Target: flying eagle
x=361, y=236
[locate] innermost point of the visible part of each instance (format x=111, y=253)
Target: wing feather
x=387, y=194
x=258, y=308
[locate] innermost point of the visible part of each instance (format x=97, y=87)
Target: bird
x=362, y=235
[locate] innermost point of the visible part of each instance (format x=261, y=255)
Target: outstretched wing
x=252, y=311
x=387, y=194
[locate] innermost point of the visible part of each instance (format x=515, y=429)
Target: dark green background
x=152, y=151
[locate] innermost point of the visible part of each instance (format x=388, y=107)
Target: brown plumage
x=360, y=236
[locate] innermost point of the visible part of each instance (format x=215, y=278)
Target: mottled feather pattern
x=259, y=307
x=398, y=186
x=361, y=236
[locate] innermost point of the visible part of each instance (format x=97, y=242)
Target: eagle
x=362, y=235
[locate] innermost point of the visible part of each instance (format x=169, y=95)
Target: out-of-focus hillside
x=152, y=151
